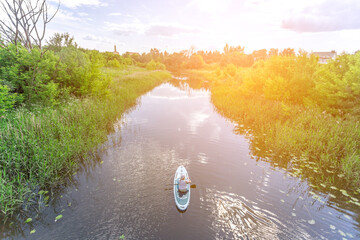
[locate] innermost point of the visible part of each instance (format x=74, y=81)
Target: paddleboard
x=182, y=200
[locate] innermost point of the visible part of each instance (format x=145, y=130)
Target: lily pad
x=32, y=231
x=342, y=233
x=350, y=235
x=58, y=217
x=28, y=220
x=332, y=195
x=344, y=192
x=312, y=221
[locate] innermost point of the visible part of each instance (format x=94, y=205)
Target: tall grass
x=40, y=147
x=294, y=132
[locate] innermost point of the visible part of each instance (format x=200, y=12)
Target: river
x=126, y=191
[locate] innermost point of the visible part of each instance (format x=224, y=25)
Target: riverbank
x=43, y=146
x=307, y=141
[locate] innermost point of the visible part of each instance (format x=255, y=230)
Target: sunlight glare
x=211, y=6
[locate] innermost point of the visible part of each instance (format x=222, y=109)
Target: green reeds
x=42, y=146
x=308, y=133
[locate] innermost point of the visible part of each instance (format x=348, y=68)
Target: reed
x=42, y=146
x=296, y=133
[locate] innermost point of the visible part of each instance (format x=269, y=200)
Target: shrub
x=152, y=65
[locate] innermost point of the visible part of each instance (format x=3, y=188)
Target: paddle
x=191, y=185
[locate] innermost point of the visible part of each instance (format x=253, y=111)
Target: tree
x=195, y=62
x=25, y=21
x=288, y=52
x=59, y=40
x=259, y=54
x=273, y=52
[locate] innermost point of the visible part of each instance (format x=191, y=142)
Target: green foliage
x=7, y=100
x=60, y=40
x=282, y=100
x=195, y=62
x=230, y=70
x=28, y=73
x=114, y=63
x=41, y=147
x=152, y=65
x=337, y=86
x=47, y=78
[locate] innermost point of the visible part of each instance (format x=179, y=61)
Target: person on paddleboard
x=182, y=183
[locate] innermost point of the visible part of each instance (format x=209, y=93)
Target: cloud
x=168, y=30
x=152, y=29
x=125, y=29
x=329, y=16
x=115, y=14
x=91, y=37
x=78, y=3
x=210, y=6
x=83, y=14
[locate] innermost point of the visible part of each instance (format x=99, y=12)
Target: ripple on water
x=235, y=217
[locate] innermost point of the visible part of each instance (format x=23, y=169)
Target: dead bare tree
x=25, y=21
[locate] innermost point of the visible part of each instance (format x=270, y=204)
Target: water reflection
x=238, y=218
x=241, y=192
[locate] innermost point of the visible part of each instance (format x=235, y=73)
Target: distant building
x=115, y=52
x=324, y=57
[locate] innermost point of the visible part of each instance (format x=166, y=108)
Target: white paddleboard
x=182, y=200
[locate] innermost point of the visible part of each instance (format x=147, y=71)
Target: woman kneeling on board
x=182, y=183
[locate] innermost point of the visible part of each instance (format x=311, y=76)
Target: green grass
x=41, y=147
x=297, y=134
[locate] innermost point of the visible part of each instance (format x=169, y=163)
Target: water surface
x=127, y=190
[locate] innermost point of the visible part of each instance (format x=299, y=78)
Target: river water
x=127, y=192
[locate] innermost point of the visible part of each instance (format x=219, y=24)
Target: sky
x=175, y=25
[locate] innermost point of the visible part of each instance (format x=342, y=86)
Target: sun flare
x=211, y=6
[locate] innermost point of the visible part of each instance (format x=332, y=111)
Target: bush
x=152, y=65
x=28, y=73
x=195, y=62
x=7, y=100
x=114, y=63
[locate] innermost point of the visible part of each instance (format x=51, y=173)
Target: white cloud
x=78, y=3
x=115, y=14
x=169, y=30
x=91, y=37
x=211, y=6
x=125, y=29
x=328, y=16
x=83, y=14
x=150, y=29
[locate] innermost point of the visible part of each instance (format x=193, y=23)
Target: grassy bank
x=42, y=146
x=306, y=140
